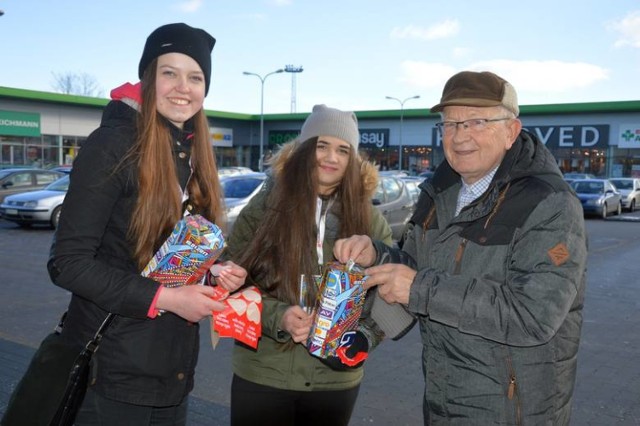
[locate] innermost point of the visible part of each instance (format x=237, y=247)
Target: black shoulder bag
x=52, y=389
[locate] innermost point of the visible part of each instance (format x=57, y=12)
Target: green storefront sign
x=14, y=123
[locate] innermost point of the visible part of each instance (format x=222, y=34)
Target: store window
x=625, y=162
x=581, y=160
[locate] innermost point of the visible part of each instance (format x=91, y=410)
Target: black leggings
x=253, y=404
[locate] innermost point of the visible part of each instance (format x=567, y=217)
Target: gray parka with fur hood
x=499, y=293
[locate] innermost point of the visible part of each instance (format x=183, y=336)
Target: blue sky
x=354, y=52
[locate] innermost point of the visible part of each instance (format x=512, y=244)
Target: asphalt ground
x=607, y=386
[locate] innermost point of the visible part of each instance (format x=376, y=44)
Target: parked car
x=574, y=176
x=394, y=173
x=394, y=200
x=238, y=190
x=224, y=171
x=412, y=183
x=629, y=189
x=13, y=181
x=65, y=168
x=36, y=207
x=428, y=175
x=598, y=196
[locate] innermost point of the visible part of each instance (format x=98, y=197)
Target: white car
x=36, y=207
x=629, y=188
x=238, y=190
x=233, y=170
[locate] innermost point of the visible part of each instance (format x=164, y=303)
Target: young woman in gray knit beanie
x=320, y=190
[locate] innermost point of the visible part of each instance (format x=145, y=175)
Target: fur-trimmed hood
x=368, y=171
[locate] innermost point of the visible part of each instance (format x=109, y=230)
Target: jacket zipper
x=512, y=391
x=427, y=222
x=459, y=254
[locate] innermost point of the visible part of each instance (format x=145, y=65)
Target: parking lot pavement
x=608, y=380
x=626, y=217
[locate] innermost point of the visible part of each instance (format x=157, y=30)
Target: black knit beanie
x=179, y=38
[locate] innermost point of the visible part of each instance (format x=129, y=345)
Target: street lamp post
x=401, y=123
x=262, y=79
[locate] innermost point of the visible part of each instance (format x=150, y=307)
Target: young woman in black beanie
x=149, y=161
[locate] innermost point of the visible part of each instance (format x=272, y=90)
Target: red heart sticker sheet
x=241, y=319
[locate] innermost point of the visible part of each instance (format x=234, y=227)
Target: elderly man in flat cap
x=494, y=267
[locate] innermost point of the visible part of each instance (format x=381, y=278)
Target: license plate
x=11, y=211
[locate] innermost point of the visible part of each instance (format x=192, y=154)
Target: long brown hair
x=285, y=241
x=159, y=203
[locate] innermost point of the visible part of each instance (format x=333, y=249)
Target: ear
x=513, y=128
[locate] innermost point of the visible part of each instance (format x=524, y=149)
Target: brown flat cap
x=479, y=89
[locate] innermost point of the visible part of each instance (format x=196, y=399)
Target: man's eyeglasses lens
x=474, y=124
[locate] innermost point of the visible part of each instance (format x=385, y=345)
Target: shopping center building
x=48, y=129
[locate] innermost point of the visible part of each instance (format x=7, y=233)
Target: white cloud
x=526, y=76
x=443, y=29
x=190, y=6
x=628, y=29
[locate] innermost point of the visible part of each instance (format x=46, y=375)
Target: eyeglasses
x=474, y=124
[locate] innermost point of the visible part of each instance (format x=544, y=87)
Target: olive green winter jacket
x=294, y=368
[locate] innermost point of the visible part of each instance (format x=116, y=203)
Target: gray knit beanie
x=325, y=121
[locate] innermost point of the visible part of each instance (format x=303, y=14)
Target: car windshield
x=4, y=173
x=239, y=188
x=623, y=184
x=61, y=184
x=588, y=187
x=579, y=175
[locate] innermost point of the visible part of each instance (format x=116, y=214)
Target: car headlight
x=30, y=204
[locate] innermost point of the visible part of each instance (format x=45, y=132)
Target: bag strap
x=60, y=326
x=93, y=344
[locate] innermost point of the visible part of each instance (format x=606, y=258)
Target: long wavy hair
x=285, y=241
x=159, y=203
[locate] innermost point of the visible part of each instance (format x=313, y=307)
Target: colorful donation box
x=338, y=307
x=185, y=258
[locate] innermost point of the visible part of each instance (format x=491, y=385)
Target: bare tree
x=76, y=84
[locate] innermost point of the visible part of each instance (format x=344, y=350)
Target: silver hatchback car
x=629, y=188
x=36, y=207
x=394, y=200
x=238, y=190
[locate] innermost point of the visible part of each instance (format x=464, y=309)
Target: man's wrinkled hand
x=393, y=281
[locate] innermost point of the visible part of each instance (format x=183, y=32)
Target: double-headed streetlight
x=401, y=121
x=262, y=79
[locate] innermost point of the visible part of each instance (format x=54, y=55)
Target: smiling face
x=474, y=153
x=332, y=155
x=180, y=87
